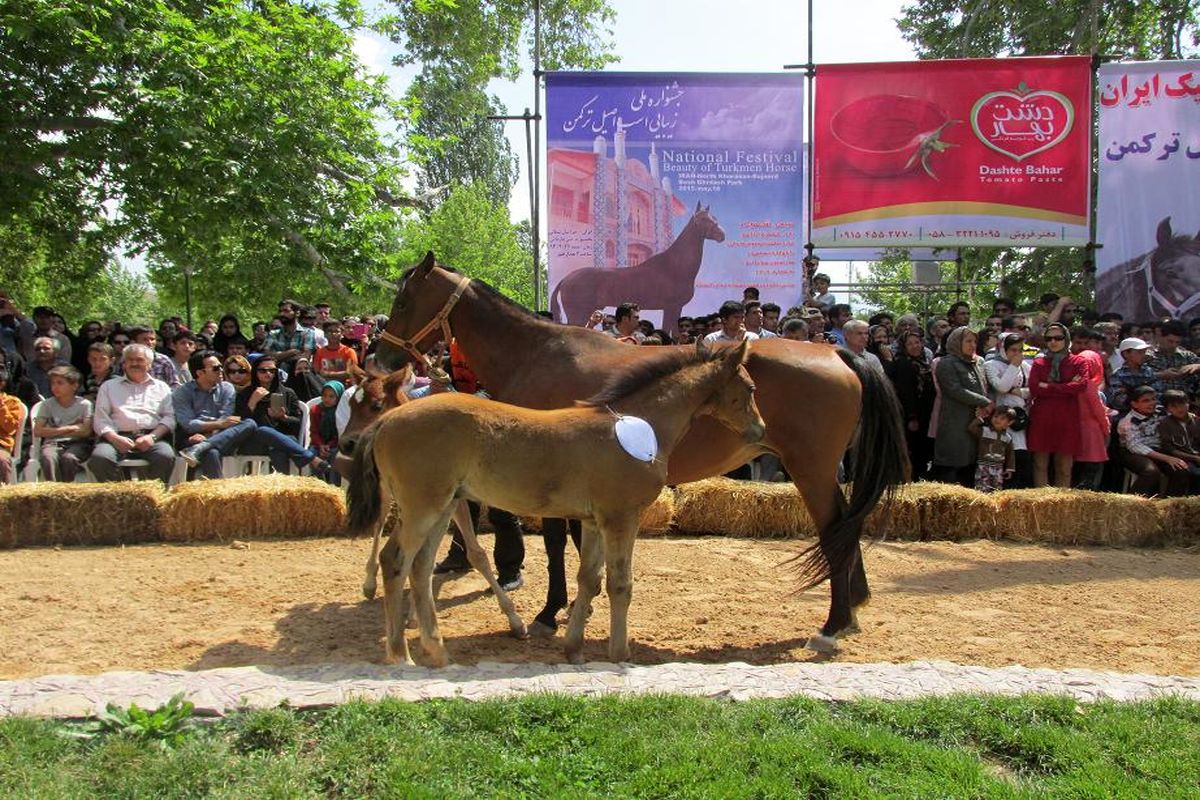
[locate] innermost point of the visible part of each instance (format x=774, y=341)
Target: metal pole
x=536, y=163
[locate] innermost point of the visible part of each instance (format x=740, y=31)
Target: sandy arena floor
x=709, y=599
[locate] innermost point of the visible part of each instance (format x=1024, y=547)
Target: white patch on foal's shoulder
x=636, y=437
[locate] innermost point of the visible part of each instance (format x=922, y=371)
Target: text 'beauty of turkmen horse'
x=665, y=280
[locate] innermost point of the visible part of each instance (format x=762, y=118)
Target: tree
x=968, y=29
x=473, y=234
x=452, y=139
x=1127, y=28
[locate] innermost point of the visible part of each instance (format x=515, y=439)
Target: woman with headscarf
x=229, y=330
x=1056, y=381
x=1008, y=375
x=323, y=431
x=912, y=375
x=962, y=397
x=303, y=381
x=277, y=411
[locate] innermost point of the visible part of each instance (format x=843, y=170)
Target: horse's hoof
x=410, y=623
x=822, y=643
x=541, y=630
x=520, y=631
x=575, y=658
x=369, y=592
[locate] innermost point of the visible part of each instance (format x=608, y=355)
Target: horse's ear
x=702, y=348
x=395, y=383
x=697, y=206
x=357, y=374
x=427, y=263
x=708, y=208
x=1164, y=231
x=739, y=354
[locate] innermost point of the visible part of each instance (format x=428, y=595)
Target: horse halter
x=1175, y=310
x=441, y=318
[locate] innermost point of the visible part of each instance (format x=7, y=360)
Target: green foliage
x=1020, y=275
x=271, y=730
x=452, y=139
x=166, y=726
x=1130, y=29
x=473, y=234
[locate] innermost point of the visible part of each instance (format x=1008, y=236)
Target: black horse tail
x=363, y=499
x=878, y=463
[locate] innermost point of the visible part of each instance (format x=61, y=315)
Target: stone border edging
x=220, y=691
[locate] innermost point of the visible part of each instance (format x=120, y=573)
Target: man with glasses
x=310, y=321
x=134, y=415
x=291, y=340
x=206, y=426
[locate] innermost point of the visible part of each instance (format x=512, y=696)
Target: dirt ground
x=706, y=599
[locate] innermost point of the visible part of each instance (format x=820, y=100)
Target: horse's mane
x=489, y=290
x=645, y=372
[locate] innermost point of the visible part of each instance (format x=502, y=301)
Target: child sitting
x=996, y=460
x=64, y=424
x=12, y=417
x=1179, y=433
x=1141, y=451
x=323, y=431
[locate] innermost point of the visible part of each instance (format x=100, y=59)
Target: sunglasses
x=1056, y=338
x=236, y=370
x=267, y=370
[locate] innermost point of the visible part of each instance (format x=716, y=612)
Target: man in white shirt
x=134, y=418
x=733, y=324
x=856, y=332
x=754, y=320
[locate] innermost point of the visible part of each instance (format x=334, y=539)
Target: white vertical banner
x=1148, y=207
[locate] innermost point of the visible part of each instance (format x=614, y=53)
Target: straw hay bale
x=1180, y=520
x=741, y=508
x=37, y=514
x=657, y=517
x=1070, y=516
x=934, y=511
x=253, y=507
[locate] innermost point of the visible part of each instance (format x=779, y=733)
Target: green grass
x=668, y=747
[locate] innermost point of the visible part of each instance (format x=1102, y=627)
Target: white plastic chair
x=236, y=466
x=33, y=470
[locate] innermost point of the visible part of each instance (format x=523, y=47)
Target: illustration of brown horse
x=563, y=462
x=1165, y=282
x=665, y=280
x=813, y=397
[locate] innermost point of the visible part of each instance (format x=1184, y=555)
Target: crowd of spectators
x=112, y=392
x=1054, y=395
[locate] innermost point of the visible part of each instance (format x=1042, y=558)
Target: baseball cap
x=1132, y=343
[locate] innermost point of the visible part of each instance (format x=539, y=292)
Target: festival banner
x=1148, y=204
x=953, y=153
x=674, y=191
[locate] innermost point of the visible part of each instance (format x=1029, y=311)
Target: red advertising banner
x=953, y=153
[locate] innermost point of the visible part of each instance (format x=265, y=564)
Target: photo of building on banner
x=1148, y=204
x=673, y=191
x=988, y=152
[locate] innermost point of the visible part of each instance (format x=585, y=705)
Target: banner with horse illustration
x=1148, y=205
x=991, y=152
x=674, y=191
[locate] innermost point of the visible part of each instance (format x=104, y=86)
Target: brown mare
x=812, y=397
x=563, y=462
x=373, y=395
x=666, y=280
x=1162, y=282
